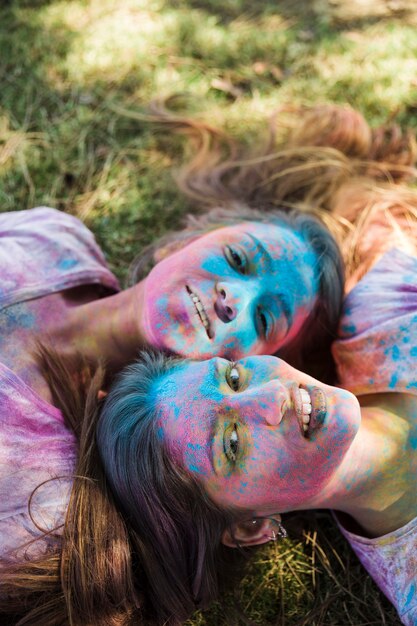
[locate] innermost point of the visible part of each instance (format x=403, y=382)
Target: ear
x=252, y=532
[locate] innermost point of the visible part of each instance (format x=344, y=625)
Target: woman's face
x=239, y=427
x=238, y=290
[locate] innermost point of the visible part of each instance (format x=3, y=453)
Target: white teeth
x=305, y=395
x=306, y=408
x=306, y=418
x=200, y=309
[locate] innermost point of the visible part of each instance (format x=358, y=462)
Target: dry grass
x=67, y=68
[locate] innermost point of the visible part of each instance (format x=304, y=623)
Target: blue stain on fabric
x=395, y=353
x=394, y=380
x=410, y=596
x=26, y=320
x=67, y=264
x=16, y=318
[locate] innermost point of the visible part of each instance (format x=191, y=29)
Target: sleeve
x=43, y=250
x=376, y=347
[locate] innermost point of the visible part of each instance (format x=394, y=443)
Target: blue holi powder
x=413, y=443
x=406, y=339
x=195, y=447
x=27, y=320
x=349, y=329
x=412, y=385
x=218, y=266
x=67, y=264
x=413, y=351
x=394, y=380
x=395, y=353
x=410, y=597
x=162, y=301
x=15, y=317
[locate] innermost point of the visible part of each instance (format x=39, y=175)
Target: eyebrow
x=266, y=257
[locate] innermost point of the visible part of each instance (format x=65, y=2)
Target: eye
x=231, y=443
x=236, y=259
x=264, y=323
x=233, y=377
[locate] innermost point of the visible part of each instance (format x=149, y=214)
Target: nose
x=227, y=302
x=267, y=402
x=274, y=412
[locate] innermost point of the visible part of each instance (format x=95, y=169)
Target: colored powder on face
x=253, y=306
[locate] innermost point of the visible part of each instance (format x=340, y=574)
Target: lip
x=200, y=311
x=318, y=408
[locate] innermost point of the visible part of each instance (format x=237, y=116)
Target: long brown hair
x=315, y=159
x=153, y=564
x=325, y=160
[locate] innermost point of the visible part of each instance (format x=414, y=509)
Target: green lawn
x=68, y=68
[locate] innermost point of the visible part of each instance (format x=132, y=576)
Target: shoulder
x=43, y=251
x=377, y=339
x=391, y=560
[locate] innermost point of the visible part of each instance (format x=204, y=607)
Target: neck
x=108, y=329
x=376, y=483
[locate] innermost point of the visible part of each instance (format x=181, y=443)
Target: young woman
x=185, y=461
x=111, y=564
x=257, y=284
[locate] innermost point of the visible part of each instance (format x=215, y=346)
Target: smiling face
x=259, y=434
x=238, y=290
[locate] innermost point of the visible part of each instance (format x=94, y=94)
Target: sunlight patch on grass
x=149, y=39
x=378, y=65
x=66, y=67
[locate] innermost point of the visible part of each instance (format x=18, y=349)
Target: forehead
x=271, y=242
x=187, y=399
x=271, y=233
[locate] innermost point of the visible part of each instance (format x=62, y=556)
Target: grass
x=67, y=67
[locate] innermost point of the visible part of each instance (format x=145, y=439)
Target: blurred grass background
x=67, y=68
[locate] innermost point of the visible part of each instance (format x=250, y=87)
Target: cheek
x=188, y=444
x=345, y=421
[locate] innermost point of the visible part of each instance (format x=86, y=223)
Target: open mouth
x=311, y=408
x=201, y=312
